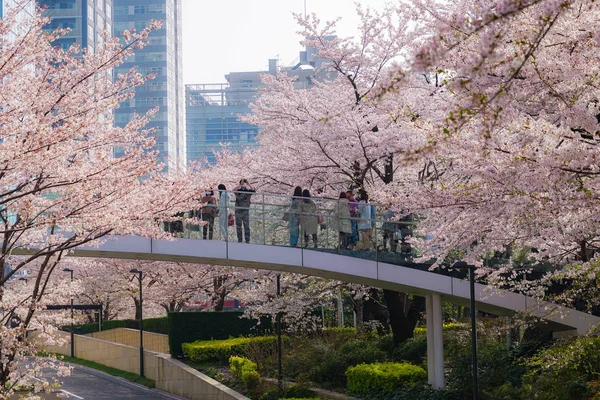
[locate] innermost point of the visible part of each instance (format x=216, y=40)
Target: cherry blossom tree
x=60, y=184
x=512, y=149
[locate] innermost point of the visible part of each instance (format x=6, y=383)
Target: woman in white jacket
x=223, y=208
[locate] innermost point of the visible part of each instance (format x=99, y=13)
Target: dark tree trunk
x=138, y=309
x=374, y=311
x=404, y=314
x=219, y=292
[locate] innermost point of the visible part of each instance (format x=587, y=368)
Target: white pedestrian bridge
x=269, y=249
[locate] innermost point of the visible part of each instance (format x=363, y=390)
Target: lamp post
x=279, y=349
x=137, y=271
x=70, y=270
x=471, y=268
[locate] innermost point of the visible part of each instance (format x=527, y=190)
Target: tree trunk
x=359, y=308
x=403, y=322
x=138, y=309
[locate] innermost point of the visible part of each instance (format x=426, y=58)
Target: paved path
x=89, y=384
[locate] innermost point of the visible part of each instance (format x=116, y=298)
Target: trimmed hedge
x=383, y=377
x=221, y=350
x=156, y=325
x=187, y=327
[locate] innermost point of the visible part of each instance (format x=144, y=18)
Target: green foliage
x=383, y=377
x=245, y=370
x=299, y=398
x=332, y=369
x=187, y=327
x=221, y=350
x=290, y=392
x=414, y=392
x=500, y=370
x=564, y=371
x=447, y=328
x=412, y=350
x=237, y=365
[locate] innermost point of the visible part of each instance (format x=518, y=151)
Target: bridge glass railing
x=313, y=223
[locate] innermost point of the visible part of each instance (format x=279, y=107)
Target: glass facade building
x=86, y=20
x=213, y=110
x=162, y=57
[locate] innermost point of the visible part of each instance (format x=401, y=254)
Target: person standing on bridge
x=293, y=216
x=309, y=220
x=223, y=214
x=208, y=214
x=243, y=192
x=341, y=222
x=365, y=223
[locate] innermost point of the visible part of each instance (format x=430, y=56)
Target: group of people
x=243, y=193
x=352, y=218
x=302, y=218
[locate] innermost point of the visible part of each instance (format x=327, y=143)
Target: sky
x=222, y=36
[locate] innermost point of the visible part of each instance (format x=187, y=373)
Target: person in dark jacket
x=243, y=193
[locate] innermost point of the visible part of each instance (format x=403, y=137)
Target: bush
x=415, y=392
x=500, y=370
x=237, y=364
x=333, y=367
x=412, y=350
x=288, y=393
x=245, y=370
x=564, y=371
x=383, y=377
x=186, y=327
x=221, y=350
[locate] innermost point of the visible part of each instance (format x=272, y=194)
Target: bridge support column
x=435, y=341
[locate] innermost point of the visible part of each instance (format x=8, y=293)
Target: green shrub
x=564, y=371
x=251, y=379
x=237, y=365
x=412, y=350
x=415, y=392
x=290, y=392
x=383, y=377
x=500, y=370
x=332, y=369
x=221, y=350
x=186, y=327
x=299, y=398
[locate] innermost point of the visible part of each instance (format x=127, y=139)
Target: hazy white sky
x=222, y=36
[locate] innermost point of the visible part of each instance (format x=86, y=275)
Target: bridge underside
x=335, y=266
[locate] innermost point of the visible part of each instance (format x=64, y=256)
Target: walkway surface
x=90, y=384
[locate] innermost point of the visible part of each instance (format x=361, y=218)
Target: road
x=89, y=384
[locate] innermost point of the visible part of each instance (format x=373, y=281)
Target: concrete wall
x=169, y=374
x=131, y=337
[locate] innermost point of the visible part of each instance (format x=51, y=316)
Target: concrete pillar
x=438, y=341
x=435, y=341
x=430, y=348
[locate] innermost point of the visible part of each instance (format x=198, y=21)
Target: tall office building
x=86, y=19
x=163, y=57
x=213, y=110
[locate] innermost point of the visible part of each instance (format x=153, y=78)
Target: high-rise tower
x=163, y=57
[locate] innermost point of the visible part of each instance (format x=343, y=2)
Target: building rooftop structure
x=213, y=110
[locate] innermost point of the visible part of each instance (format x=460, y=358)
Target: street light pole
x=70, y=270
x=137, y=271
x=471, y=268
x=279, y=349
